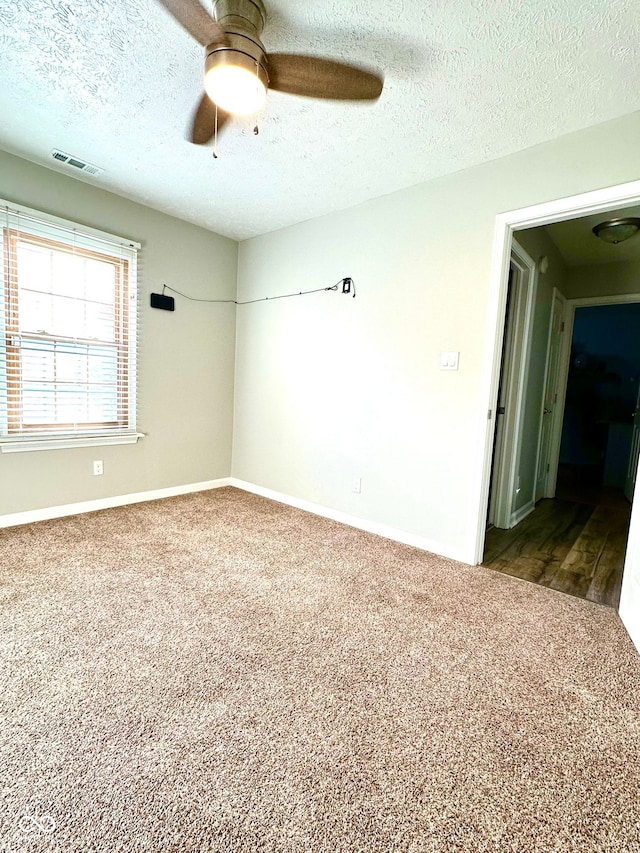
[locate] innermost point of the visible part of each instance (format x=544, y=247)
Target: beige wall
x=329, y=387
x=185, y=363
x=603, y=280
x=537, y=244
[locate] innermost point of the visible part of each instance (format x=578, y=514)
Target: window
x=68, y=324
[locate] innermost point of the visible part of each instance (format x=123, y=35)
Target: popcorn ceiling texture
x=218, y=672
x=466, y=81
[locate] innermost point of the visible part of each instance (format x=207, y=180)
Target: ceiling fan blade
x=203, y=124
x=196, y=21
x=322, y=78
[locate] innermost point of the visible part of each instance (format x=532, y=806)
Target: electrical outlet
x=98, y=467
x=357, y=485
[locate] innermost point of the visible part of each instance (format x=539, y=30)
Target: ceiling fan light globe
x=235, y=89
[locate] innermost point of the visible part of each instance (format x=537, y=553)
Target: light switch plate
x=449, y=360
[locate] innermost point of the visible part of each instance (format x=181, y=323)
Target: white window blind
x=68, y=326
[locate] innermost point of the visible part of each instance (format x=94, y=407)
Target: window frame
x=54, y=232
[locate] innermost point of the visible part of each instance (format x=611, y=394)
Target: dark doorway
x=602, y=390
x=576, y=542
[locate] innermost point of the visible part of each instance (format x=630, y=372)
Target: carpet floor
x=219, y=672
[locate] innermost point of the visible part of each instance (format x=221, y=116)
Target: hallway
x=573, y=547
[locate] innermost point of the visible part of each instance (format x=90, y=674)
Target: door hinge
x=489, y=415
x=562, y=326
x=548, y=466
x=555, y=397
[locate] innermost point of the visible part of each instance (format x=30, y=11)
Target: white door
x=497, y=475
x=632, y=471
x=544, y=477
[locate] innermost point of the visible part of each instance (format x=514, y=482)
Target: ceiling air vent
x=75, y=162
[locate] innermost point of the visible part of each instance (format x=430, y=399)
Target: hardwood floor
x=573, y=547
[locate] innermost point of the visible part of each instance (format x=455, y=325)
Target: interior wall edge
x=631, y=621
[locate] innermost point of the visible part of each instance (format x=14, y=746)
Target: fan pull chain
x=215, y=135
x=255, y=129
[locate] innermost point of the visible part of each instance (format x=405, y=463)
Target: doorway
x=576, y=539
x=564, y=209
x=598, y=454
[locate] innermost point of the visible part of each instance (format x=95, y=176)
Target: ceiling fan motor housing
x=242, y=15
x=243, y=21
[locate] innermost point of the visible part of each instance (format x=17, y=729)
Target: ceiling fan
x=239, y=71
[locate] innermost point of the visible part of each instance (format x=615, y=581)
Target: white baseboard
x=521, y=513
x=107, y=503
x=393, y=533
x=384, y=530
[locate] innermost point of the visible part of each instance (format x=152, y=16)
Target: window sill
x=22, y=444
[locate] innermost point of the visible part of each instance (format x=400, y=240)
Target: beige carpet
x=219, y=672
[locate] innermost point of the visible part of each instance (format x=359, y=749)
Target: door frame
x=506, y=488
x=565, y=363
x=597, y=201
x=557, y=417
x=631, y=479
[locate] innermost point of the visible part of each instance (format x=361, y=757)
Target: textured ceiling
x=114, y=82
